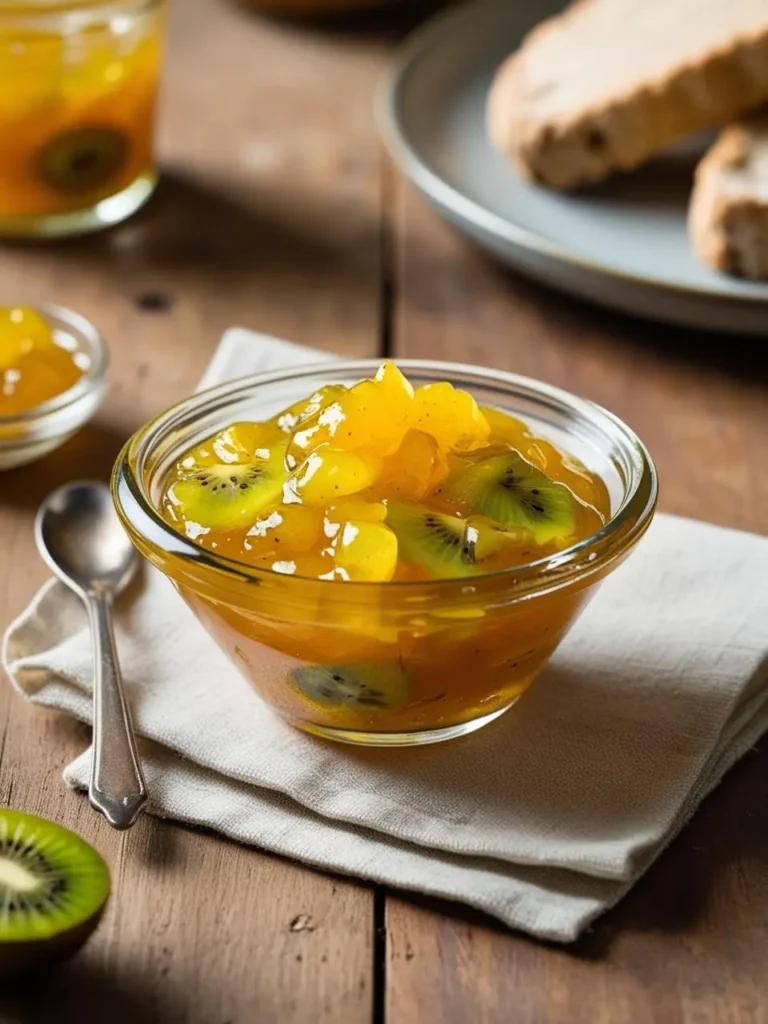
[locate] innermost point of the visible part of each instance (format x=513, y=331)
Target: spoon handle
x=117, y=786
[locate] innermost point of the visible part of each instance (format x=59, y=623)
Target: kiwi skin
x=19, y=960
x=20, y=956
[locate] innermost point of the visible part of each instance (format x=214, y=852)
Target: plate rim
x=447, y=196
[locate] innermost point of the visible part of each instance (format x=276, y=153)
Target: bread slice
x=608, y=83
x=728, y=215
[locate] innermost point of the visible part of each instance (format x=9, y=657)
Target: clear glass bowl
x=78, y=88
x=30, y=435
x=424, y=661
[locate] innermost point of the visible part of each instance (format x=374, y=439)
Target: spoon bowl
x=81, y=539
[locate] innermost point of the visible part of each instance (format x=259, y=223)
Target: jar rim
x=29, y=10
x=585, y=558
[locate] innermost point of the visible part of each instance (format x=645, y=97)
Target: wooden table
x=280, y=212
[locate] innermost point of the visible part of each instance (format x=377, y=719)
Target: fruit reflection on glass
x=36, y=363
x=78, y=83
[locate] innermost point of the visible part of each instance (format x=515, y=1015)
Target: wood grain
x=689, y=942
x=268, y=217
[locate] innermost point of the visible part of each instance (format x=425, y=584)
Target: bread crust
x=584, y=145
x=728, y=212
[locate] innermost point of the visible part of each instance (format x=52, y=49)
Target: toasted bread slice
x=608, y=83
x=728, y=215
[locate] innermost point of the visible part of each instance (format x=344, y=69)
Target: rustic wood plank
x=688, y=944
x=268, y=218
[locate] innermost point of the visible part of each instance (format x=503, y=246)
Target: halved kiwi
x=82, y=159
x=507, y=488
x=431, y=540
x=224, y=496
x=378, y=686
x=53, y=889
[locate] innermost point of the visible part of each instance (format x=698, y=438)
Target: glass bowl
x=395, y=663
x=27, y=436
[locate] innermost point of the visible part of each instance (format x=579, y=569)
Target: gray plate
x=623, y=244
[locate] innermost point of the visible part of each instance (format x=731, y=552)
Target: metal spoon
x=80, y=537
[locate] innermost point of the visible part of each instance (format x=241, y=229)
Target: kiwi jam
x=379, y=482
x=35, y=365
x=383, y=484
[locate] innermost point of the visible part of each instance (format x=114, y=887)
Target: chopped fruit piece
x=224, y=496
x=569, y=471
x=511, y=432
x=485, y=538
x=510, y=490
x=367, y=551
x=372, y=416
x=415, y=470
x=329, y=473
x=362, y=511
x=34, y=367
x=505, y=429
x=452, y=417
x=396, y=390
x=288, y=530
x=430, y=540
x=289, y=419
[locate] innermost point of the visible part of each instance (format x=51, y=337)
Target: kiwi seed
x=431, y=540
x=225, y=496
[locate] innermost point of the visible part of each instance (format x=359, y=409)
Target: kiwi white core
x=16, y=877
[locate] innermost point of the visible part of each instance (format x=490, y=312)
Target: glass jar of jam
x=78, y=84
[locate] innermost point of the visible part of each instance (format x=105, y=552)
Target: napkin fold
x=543, y=819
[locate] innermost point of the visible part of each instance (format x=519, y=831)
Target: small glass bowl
x=400, y=663
x=28, y=436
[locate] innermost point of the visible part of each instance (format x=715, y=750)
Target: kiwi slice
x=431, y=540
x=510, y=490
x=53, y=889
x=82, y=159
x=485, y=538
x=225, y=496
x=378, y=686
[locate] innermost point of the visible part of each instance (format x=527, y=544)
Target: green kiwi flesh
x=507, y=488
x=225, y=496
x=485, y=538
x=380, y=686
x=431, y=540
x=82, y=159
x=53, y=889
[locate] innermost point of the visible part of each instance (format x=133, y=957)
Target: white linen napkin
x=543, y=819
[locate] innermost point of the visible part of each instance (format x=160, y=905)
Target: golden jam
x=78, y=83
x=35, y=364
x=381, y=482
